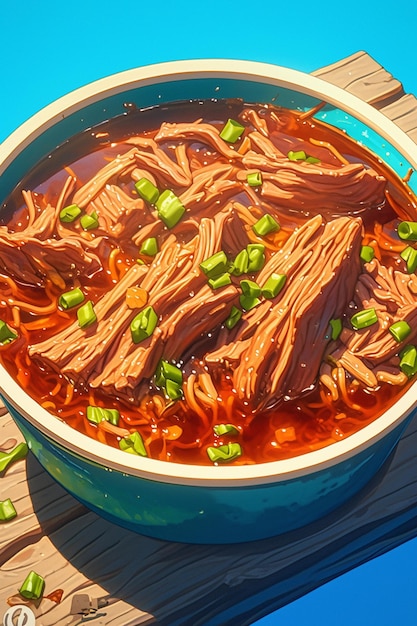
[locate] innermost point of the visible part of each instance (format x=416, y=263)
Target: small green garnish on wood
x=7, y=458
x=7, y=510
x=32, y=587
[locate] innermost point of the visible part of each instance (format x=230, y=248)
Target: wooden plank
x=146, y=581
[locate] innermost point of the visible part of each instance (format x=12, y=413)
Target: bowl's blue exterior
x=197, y=514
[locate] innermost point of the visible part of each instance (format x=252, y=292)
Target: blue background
x=50, y=48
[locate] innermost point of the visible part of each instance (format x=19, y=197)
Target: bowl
x=188, y=503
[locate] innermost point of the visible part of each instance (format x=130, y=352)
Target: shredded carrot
x=331, y=148
x=108, y=427
x=244, y=146
x=172, y=432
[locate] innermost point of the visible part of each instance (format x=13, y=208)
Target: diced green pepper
x=72, y=298
x=143, y=325
x=133, y=444
x=266, y=225
x=147, y=190
x=70, y=213
x=273, y=285
x=7, y=335
x=224, y=454
x=86, y=315
x=7, y=510
x=231, y=131
x=170, y=208
x=32, y=587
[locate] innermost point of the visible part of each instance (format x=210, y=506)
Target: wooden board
x=145, y=581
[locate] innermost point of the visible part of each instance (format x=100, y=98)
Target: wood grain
x=146, y=581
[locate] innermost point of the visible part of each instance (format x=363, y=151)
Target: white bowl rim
x=198, y=475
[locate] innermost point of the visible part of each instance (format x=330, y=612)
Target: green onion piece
x=256, y=255
x=250, y=288
x=133, y=444
x=86, y=315
x=7, y=458
x=32, y=587
x=336, y=326
x=409, y=255
x=6, y=333
x=367, y=254
x=220, y=281
x=240, y=264
x=147, y=190
x=224, y=454
x=254, y=179
x=170, y=208
x=88, y=222
x=234, y=317
x=408, y=231
x=149, y=247
x=173, y=390
x=400, y=330
x=266, y=225
x=225, y=429
x=408, y=360
x=214, y=265
x=167, y=371
x=72, y=298
x=300, y=155
x=231, y=131
x=7, y=510
x=70, y=213
x=97, y=414
x=363, y=319
x=248, y=302
x=273, y=285
x=143, y=325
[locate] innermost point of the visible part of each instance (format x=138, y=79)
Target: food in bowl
x=211, y=282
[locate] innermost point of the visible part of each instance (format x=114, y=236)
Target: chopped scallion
x=400, y=330
x=256, y=255
x=241, y=263
x=32, y=587
x=273, y=285
x=173, y=390
x=254, y=179
x=97, y=414
x=248, y=302
x=147, y=190
x=72, y=298
x=408, y=360
x=7, y=335
x=224, y=454
x=7, y=458
x=70, y=213
x=336, y=328
x=363, y=319
x=167, y=371
x=250, y=288
x=133, y=444
x=231, y=131
x=409, y=255
x=86, y=315
x=149, y=247
x=367, y=253
x=170, y=208
x=7, y=510
x=225, y=429
x=265, y=225
x=89, y=222
x=220, y=281
x=214, y=265
x=234, y=317
x=143, y=325
x=407, y=231
x=300, y=155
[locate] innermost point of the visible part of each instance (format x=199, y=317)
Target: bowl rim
x=163, y=471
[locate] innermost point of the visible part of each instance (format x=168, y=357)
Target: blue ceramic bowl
x=183, y=502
